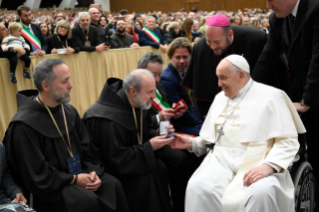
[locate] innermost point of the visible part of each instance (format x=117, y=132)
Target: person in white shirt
x=250, y=138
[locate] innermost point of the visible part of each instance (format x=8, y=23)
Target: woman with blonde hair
x=187, y=27
x=130, y=30
x=61, y=39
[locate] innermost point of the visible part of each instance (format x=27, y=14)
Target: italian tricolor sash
x=152, y=35
x=35, y=42
x=159, y=103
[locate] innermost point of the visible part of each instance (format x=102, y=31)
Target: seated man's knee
x=260, y=191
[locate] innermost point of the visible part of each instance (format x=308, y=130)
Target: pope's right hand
x=181, y=142
x=160, y=141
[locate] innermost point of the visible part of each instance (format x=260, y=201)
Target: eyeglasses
x=120, y=24
x=63, y=27
x=96, y=13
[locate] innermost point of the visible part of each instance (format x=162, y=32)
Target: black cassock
x=143, y=176
x=37, y=157
x=201, y=71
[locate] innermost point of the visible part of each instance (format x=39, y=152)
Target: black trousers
x=14, y=62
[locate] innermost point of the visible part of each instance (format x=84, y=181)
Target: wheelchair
x=304, y=179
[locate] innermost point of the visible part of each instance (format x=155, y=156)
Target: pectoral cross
x=220, y=132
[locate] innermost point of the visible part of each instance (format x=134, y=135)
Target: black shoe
x=26, y=74
x=13, y=78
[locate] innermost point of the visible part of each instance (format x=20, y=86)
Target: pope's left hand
x=256, y=173
x=301, y=108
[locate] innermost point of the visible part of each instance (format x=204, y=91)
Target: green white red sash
x=35, y=42
x=152, y=35
x=159, y=103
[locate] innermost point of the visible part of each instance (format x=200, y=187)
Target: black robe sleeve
x=119, y=149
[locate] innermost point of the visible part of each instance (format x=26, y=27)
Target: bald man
x=221, y=40
x=245, y=168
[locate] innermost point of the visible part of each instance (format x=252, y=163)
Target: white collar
x=295, y=10
x=244, y=89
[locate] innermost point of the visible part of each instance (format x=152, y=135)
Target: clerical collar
x=295, y=10
x=244, y=89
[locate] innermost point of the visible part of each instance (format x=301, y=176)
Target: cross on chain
x=220, y=132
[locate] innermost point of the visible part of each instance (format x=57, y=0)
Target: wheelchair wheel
x=305, y=188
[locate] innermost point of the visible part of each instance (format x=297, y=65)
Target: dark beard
x=121, y=30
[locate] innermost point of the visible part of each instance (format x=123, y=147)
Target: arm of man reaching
x=278, y=159
x=196, y=145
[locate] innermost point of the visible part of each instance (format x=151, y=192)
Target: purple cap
x=218, y=20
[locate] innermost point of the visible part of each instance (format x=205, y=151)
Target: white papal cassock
x=263, y=129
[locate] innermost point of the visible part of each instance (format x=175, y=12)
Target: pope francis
x=250, y=136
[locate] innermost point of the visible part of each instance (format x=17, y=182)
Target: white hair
x=84, y=14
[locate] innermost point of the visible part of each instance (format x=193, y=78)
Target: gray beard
x=142, y=105
x=58, y=98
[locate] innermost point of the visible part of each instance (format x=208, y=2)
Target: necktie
x=291, y=22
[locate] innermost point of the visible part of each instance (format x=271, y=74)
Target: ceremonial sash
x=152, y=35
x=35, y=42
x=159, y=103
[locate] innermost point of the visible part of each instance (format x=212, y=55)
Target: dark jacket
x=121, y=41
x=301, y=50
x=171, y=35
x=37, y=32
x=145, y=40
x=196, y=35
x=171, y=81
x=102, y=33
x=79, y=39
x=54, y=42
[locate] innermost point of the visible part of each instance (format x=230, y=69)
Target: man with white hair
x=125, y=141
x=251, y=130
x=86, y=37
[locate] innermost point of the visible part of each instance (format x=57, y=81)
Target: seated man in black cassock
x=49, y=152
x=180, y=163
x=120, y=121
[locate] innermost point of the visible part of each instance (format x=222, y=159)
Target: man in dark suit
x=86, y=37
x=150, y=36
x=95, y=16
x=294, y=35
x=24, y=13
x=179, y=52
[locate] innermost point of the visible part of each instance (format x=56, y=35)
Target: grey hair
x=134, y=79
x=148, y=17
x=196, y=22
x=149, y=57
x=84, y=13
x=44, y=72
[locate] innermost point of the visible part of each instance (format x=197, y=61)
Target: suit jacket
x=79, y=39
x=145, y=40
x=171, y=81
x=102, y=34
x=54, y=42
x=301, y=51
x=37, y=32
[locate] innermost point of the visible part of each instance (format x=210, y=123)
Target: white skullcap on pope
x=238, y=61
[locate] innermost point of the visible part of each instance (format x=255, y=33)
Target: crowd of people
x=96, y=31
x=211, y=131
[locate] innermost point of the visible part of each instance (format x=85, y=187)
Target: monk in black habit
x=221, y=40
x=40, y=149
x=120, y=121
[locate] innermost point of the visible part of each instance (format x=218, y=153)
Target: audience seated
x=61, y=39
x=86, y=37
x=150, y=36
x=174, y=32
x=179, y=52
